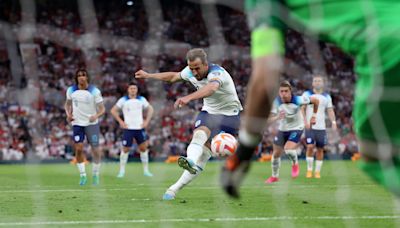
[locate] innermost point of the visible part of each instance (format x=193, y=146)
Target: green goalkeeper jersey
x=369, y=30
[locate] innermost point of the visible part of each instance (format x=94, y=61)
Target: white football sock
x=310, y=163
x=96, y=169
x=318, y=165
x=275, y=164
x=292, y=154
x=195, y=148
x=144, y=157
x=81, y=168
x=123, y=159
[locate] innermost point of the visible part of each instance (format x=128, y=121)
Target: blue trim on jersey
x=326, y=95
x=294, y=100
x=91, y=89
x=125, y=98
x=214, y=67
x=140, y=98
x=278, y=100
x=190, y=74
x=309, y=92
x=72, y=89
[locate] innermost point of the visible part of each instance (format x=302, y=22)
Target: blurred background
x=43, y=43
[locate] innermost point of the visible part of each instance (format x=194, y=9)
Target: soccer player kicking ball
x=369, y=31
x=287, y=109
x=134, y=126
x=84, y=106
x=220, y=111
x=316, y=134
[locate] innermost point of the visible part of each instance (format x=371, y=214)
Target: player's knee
x=199, y=137
x=291, y=152
x=143, y=147
x=78, y=147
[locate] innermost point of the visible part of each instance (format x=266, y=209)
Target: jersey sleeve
x=275, y=105
x=303, y=100
x=68, y=93
x=265, y=22
x=186, y=74
x=120, y=102
x=217, y=76
x=98, y=98
x=145, y=103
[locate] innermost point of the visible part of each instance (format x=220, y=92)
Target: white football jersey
x=84, y=104
x=325, y=102
x=132, y=109
x=225, y=100
x=293, y=117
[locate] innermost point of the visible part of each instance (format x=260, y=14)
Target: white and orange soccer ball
x=223, y=144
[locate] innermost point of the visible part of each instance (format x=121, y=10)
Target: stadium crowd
x=32, y=118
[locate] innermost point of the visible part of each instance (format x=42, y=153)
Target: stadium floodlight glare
x=129, y=3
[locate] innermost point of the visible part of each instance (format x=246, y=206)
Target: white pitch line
x=194, y=187
x=275, y=218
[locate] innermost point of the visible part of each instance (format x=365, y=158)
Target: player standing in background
x=316, y=134
x=369, y=31
x=287, y=109
x=134, y=126
x=83, y=106
x=220, y=111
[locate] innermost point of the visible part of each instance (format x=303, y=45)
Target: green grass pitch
x=49, y=195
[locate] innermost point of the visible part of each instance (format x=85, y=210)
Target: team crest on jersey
x=309, y=140
x=124, y=142
x=198, y=122
x=77, y=138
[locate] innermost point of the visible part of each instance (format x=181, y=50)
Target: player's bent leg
x=261, y=92
x=291, y=152
x=194, y=150
x=382, y=164
x=188, y=177
x=275, y=164
x=237, y=165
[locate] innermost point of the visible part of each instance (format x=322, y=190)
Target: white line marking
x=83, y=189
x=276, y=218
x=145, y=199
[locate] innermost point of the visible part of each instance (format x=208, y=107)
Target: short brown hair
x=195, y=53
x=286, y=84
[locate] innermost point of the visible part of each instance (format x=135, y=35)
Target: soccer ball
x=223, y=144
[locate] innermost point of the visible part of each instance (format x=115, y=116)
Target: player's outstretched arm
x=163, y=76
x=205, y=91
